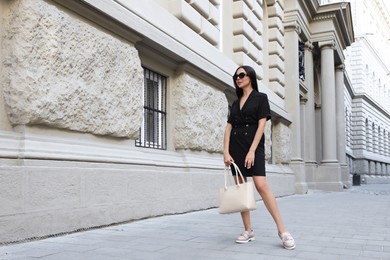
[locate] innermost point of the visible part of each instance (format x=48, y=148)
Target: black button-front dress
x=245, y=122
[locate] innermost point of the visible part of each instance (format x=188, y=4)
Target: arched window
x=383, y=141
x=349, y=140
x=347, y=128
x=374, y=138
x=379, y=142
x=368, y=136
x=388, y=144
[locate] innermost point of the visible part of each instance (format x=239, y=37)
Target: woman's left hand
x=250, y=160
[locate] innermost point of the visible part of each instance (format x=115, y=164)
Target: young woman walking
x=244, y=145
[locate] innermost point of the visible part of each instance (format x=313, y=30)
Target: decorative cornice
x=325, y=16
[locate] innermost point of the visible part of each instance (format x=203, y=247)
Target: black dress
x=245, y=122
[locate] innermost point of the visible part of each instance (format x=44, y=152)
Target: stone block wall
x=72, y=94
x=63, y=72
x=247, y=34
x=281, y=139
x=276, y=47
x=73, y=99
x=46, y=198
x=4, y=122
x=199, y=122
x=201, y=16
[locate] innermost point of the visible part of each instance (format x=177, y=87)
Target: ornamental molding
x=325, y=16
x=340, y=68
x=309, y=46
x=331, y=44
x=292, y=26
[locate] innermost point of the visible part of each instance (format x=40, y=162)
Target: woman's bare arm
x=250, y=157
x=226, y=140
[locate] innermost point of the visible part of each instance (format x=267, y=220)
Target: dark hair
x=251, y=74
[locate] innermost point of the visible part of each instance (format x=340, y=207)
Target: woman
x=244, y=145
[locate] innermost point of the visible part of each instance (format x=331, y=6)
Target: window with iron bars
x=153, y=132
x=301, y=55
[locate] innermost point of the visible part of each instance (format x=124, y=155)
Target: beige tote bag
x=237, y=197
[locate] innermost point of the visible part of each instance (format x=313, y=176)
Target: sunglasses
x=240, y=76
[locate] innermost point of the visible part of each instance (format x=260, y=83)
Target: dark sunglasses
x=240, y=76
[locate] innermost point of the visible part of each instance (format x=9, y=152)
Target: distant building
x=115, y=110
x=368, y=92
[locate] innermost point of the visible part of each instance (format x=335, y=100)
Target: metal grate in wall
x=153, y=132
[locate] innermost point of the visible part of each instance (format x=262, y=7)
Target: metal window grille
x=301, y=54
x=153, y=132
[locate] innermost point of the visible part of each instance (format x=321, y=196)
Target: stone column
x=292, y=98
x=340, y=126
x=328, y=176
x=328, y=104
x=309, y=142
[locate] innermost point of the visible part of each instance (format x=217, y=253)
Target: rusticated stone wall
x=4, y=123
x=281, y=143
x=199, y=122
x=268, y=140
x=63, y=72
x=201, y=16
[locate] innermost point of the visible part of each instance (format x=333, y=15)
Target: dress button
x=247, y=125
x=245, y=133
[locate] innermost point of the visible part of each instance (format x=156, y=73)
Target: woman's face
x=242, y=79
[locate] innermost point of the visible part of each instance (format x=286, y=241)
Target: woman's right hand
x=227, y=159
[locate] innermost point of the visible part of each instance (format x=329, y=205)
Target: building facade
x=367, y=93
x=115, y=110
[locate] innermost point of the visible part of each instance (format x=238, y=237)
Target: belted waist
x=244, y=125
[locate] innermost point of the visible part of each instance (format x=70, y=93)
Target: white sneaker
x=287, y=240
x=246, y=237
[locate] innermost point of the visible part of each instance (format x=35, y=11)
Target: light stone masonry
x=281, y=139
x=197, y=128
x=201, y=16
x=60, y=197
x=62, y=72
x=72, y=84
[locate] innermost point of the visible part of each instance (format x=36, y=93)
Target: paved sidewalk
x=354, y=224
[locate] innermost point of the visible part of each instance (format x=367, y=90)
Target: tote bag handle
x=238, y=172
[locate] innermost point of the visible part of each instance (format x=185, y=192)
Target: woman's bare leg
x=269, y=201
x=246, y=216
x=246, y=219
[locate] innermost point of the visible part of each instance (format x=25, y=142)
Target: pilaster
x=308, y=122
x=292, y=98
x=292, y=88
x=340, y=126
x=309, y=155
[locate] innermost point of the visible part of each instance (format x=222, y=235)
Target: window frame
x=153, y=131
